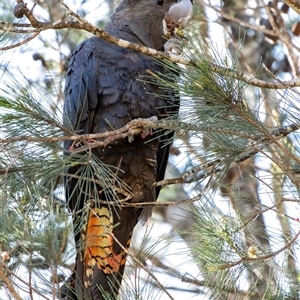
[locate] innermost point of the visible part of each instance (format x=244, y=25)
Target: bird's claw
x=130, y=136
x=147, y=130
x=173, y=46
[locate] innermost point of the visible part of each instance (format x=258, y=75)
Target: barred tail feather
x=100, y=264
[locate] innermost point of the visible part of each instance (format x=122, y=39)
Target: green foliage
x=226, y=135
x=36, y=222
x=241, y=151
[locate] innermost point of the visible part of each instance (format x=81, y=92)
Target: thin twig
x=20, y=43
x=278, y=79
x=251, y=80
x=285, y=40
x=263, y=257
x=41, y=294
x=140, y=264
x=8, y=284
x=125, y=203
x=189, y=279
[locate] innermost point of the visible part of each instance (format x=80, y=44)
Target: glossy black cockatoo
x=106, y=89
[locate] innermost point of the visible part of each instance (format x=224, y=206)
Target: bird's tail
x=100, y=263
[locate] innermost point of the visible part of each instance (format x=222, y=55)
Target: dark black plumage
x=104, y=91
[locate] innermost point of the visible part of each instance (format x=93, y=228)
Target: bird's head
x=177, y=15
x=152, y=20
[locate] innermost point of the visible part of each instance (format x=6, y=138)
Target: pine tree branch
x=20, y=43
x=22, y=9
x=201, y=283
x=41, y=294
x=263, y=257
x=272, y=208
x=255, y=145
x=251, y=80
x=294, y=4
x=287, y=41
x=124, y=203
x=82, y=24
x=137, y=126
x=132, y=128
x=8, y=284
x=252, y=148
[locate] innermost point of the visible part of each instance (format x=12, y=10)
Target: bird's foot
x=146, y=131
x=76, y=144
x=173, y=46
x=121, y=192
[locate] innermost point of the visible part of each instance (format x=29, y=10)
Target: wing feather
x=104, y=91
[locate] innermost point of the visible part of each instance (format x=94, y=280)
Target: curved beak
x=178, y=15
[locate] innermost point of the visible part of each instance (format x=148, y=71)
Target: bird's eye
x=160, y=2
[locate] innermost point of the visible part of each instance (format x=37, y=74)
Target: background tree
x=230, y=206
